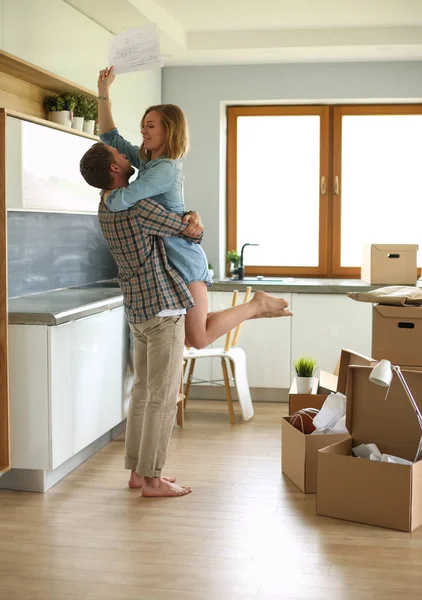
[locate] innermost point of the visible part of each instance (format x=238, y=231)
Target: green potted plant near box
x=305, y=369
x=233, y=258
x=90, y=114
x=79, y=113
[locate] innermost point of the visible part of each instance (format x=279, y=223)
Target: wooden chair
x=180, y=417
x=232, y=357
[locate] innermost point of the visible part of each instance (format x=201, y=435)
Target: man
x=155, y=299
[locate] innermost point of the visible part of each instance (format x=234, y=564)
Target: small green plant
x=233, y=257
x=91, y=109
x=210, y=266
x=69, y=101
x=304, y=366
x=80, y=106
x=53, y=103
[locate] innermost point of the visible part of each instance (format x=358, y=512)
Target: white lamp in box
x=382, y=374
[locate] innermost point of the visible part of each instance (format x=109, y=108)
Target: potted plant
x=210, y=270
x=305, y=369
x=79, y=113
x=233, y=258
x=55, y=107
x=90, y=114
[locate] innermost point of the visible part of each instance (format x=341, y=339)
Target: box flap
x=396, y=247
x=399, y=312
x=348, y=357
x=373, y=418
x=328, y=382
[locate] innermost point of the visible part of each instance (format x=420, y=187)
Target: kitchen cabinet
x=67, y=386
x=323, y=324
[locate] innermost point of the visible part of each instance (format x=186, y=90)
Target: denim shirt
x=161, y=179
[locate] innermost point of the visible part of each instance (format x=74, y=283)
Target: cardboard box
x=300, y=451
x=397, y=334
x=365, y=491
x=389, y=264
x=327, y=383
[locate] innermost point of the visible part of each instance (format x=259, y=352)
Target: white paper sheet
x=135, y=49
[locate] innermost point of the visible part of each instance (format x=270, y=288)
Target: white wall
x=202, y=92
x=56, y=37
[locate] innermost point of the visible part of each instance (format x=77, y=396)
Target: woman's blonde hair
x=174, y=121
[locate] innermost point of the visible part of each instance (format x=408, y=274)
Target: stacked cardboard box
x=397, y=334
x=389, y=264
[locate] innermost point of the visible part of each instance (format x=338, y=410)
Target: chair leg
x=180, y=416
x=228, y=391
x=189, y=381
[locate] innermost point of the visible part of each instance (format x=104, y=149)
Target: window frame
x=329, y=264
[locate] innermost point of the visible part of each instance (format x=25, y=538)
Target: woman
x=165, y=141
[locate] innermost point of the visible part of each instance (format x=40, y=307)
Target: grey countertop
x=60, y=306
x=294, y=285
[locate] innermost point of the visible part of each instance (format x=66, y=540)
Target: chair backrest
x=229, y=343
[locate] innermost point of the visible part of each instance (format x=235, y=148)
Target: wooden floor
x=244, y=532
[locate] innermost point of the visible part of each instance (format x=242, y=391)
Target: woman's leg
x=203, y=328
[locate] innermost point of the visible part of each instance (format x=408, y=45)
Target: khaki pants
x=158, y=349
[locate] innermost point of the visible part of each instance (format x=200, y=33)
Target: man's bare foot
x=268, y=304
x=136, y=481
x=158, y=487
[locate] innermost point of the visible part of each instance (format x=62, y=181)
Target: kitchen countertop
x=295, y=285
x=60, y=306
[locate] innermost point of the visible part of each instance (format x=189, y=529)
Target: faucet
x=241, y=269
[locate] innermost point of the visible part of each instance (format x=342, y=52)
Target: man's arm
x=156, y=220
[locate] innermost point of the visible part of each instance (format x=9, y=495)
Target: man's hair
x=95, y=166
x=174, y=122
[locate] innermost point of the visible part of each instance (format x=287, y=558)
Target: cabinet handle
x=336, y=186
x=323, y=186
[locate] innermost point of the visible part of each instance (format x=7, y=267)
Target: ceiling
x=222, y=32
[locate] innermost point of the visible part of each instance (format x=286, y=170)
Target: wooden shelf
x=25, y=71
x=51, y=124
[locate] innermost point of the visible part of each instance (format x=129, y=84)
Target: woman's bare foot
x=136, y=481
x=284, y=312
x=268, y=304
x=159, y=487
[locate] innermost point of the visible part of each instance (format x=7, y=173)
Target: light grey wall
x=203, y=92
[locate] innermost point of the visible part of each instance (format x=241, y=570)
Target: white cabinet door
x=61, y=393
x=266, y=343
x=29, y=398
x=323, y=324
x=97, y=375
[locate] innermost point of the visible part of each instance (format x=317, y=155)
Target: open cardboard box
x=365, y=491
x=397, y=334
x=299, y=452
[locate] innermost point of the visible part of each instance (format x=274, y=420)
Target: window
x=312, y=184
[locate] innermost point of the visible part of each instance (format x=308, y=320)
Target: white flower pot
x=304, y=384
x=78, y=123
x=62, y=117
x=211, y=272
x=89, y=126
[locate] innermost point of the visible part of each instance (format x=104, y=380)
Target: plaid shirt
x=148, y=283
